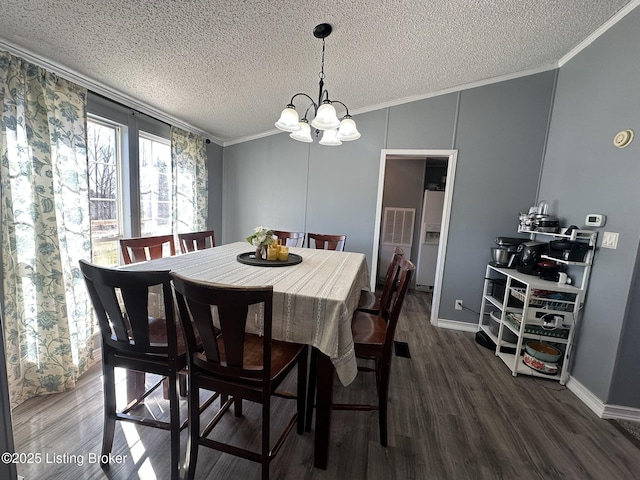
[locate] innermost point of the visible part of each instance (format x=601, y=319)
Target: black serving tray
x=249, y=258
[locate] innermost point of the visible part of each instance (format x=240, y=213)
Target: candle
x=283, y=254
x=272, y=252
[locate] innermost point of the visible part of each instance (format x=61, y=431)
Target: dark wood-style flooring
x=455, y=413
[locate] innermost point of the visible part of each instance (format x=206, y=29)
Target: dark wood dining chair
x=371, y=301
x=141, y=249
x=192, y=241
x=134, y=340
x=235, y=363
x=290, y=239
x=326, y=242
x=373, y=336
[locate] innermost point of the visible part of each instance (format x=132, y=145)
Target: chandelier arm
x=315, y=105
x=307, y=110
x=345, y=107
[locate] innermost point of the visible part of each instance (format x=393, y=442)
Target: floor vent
x=402, y=349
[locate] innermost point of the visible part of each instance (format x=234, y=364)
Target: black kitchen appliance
x=571, y=251
x=504, y=255
x=528, y=255
x=549, y=270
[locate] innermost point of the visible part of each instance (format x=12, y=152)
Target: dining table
x=313, y=302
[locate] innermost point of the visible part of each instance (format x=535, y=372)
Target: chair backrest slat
x=326, y=242
x=391, y=278
x=202, y=316
x=290, y=239
x=113, y=313
x=391, y=312
x=142, y=249
x=192, y=241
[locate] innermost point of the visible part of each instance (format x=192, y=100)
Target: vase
x=260, y=252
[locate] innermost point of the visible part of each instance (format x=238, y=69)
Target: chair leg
x=237, y=407
x=383, y=395
x=165, y=389
x=109, y=389
x=266, y=428
x=174, y=416
x=302, y=391
x=193, y=439
x=182, y=383
x=311, y=391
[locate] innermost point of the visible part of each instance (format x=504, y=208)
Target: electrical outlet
x=458, y=304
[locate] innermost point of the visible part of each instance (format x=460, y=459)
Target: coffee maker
x=528, y=256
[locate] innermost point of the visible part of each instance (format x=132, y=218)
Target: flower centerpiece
x=261, y=238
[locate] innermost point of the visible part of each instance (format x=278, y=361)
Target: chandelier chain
x=321, y=74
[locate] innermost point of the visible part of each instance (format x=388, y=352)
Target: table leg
x=324, y=398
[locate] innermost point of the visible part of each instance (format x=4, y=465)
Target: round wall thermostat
x=623, y=138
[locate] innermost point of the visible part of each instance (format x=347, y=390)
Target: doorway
x=448, y=156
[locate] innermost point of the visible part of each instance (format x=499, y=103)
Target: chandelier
x=335, y=131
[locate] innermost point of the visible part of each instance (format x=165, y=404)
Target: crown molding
x=103, y=89
x=624, y=11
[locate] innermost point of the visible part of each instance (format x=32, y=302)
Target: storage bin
x=496, y=288
x=494, y=327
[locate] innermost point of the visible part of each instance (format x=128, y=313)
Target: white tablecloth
x=313, y=300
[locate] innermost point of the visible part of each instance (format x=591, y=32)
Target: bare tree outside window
x=102, y=153
x=155, y=185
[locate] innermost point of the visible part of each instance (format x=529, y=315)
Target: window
x=129, y=155
x=104, y=154
x=155, y=185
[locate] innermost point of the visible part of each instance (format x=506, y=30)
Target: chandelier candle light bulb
x=325, y=118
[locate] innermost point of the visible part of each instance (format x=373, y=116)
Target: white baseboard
x=586, y=396
x=619, y=412
x=601, y=409
x=456, y=325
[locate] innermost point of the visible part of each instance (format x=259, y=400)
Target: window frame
x=120, y=161
x=132, y=123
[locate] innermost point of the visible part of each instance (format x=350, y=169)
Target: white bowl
x=539, y=365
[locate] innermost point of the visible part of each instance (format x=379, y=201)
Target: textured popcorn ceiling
x=227, y=68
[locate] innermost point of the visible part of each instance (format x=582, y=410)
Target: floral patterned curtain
x=48, y=325
x=190, y=191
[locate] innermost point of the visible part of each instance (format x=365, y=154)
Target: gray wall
x=499, y=131
x=597, y=95
x=500, y=141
